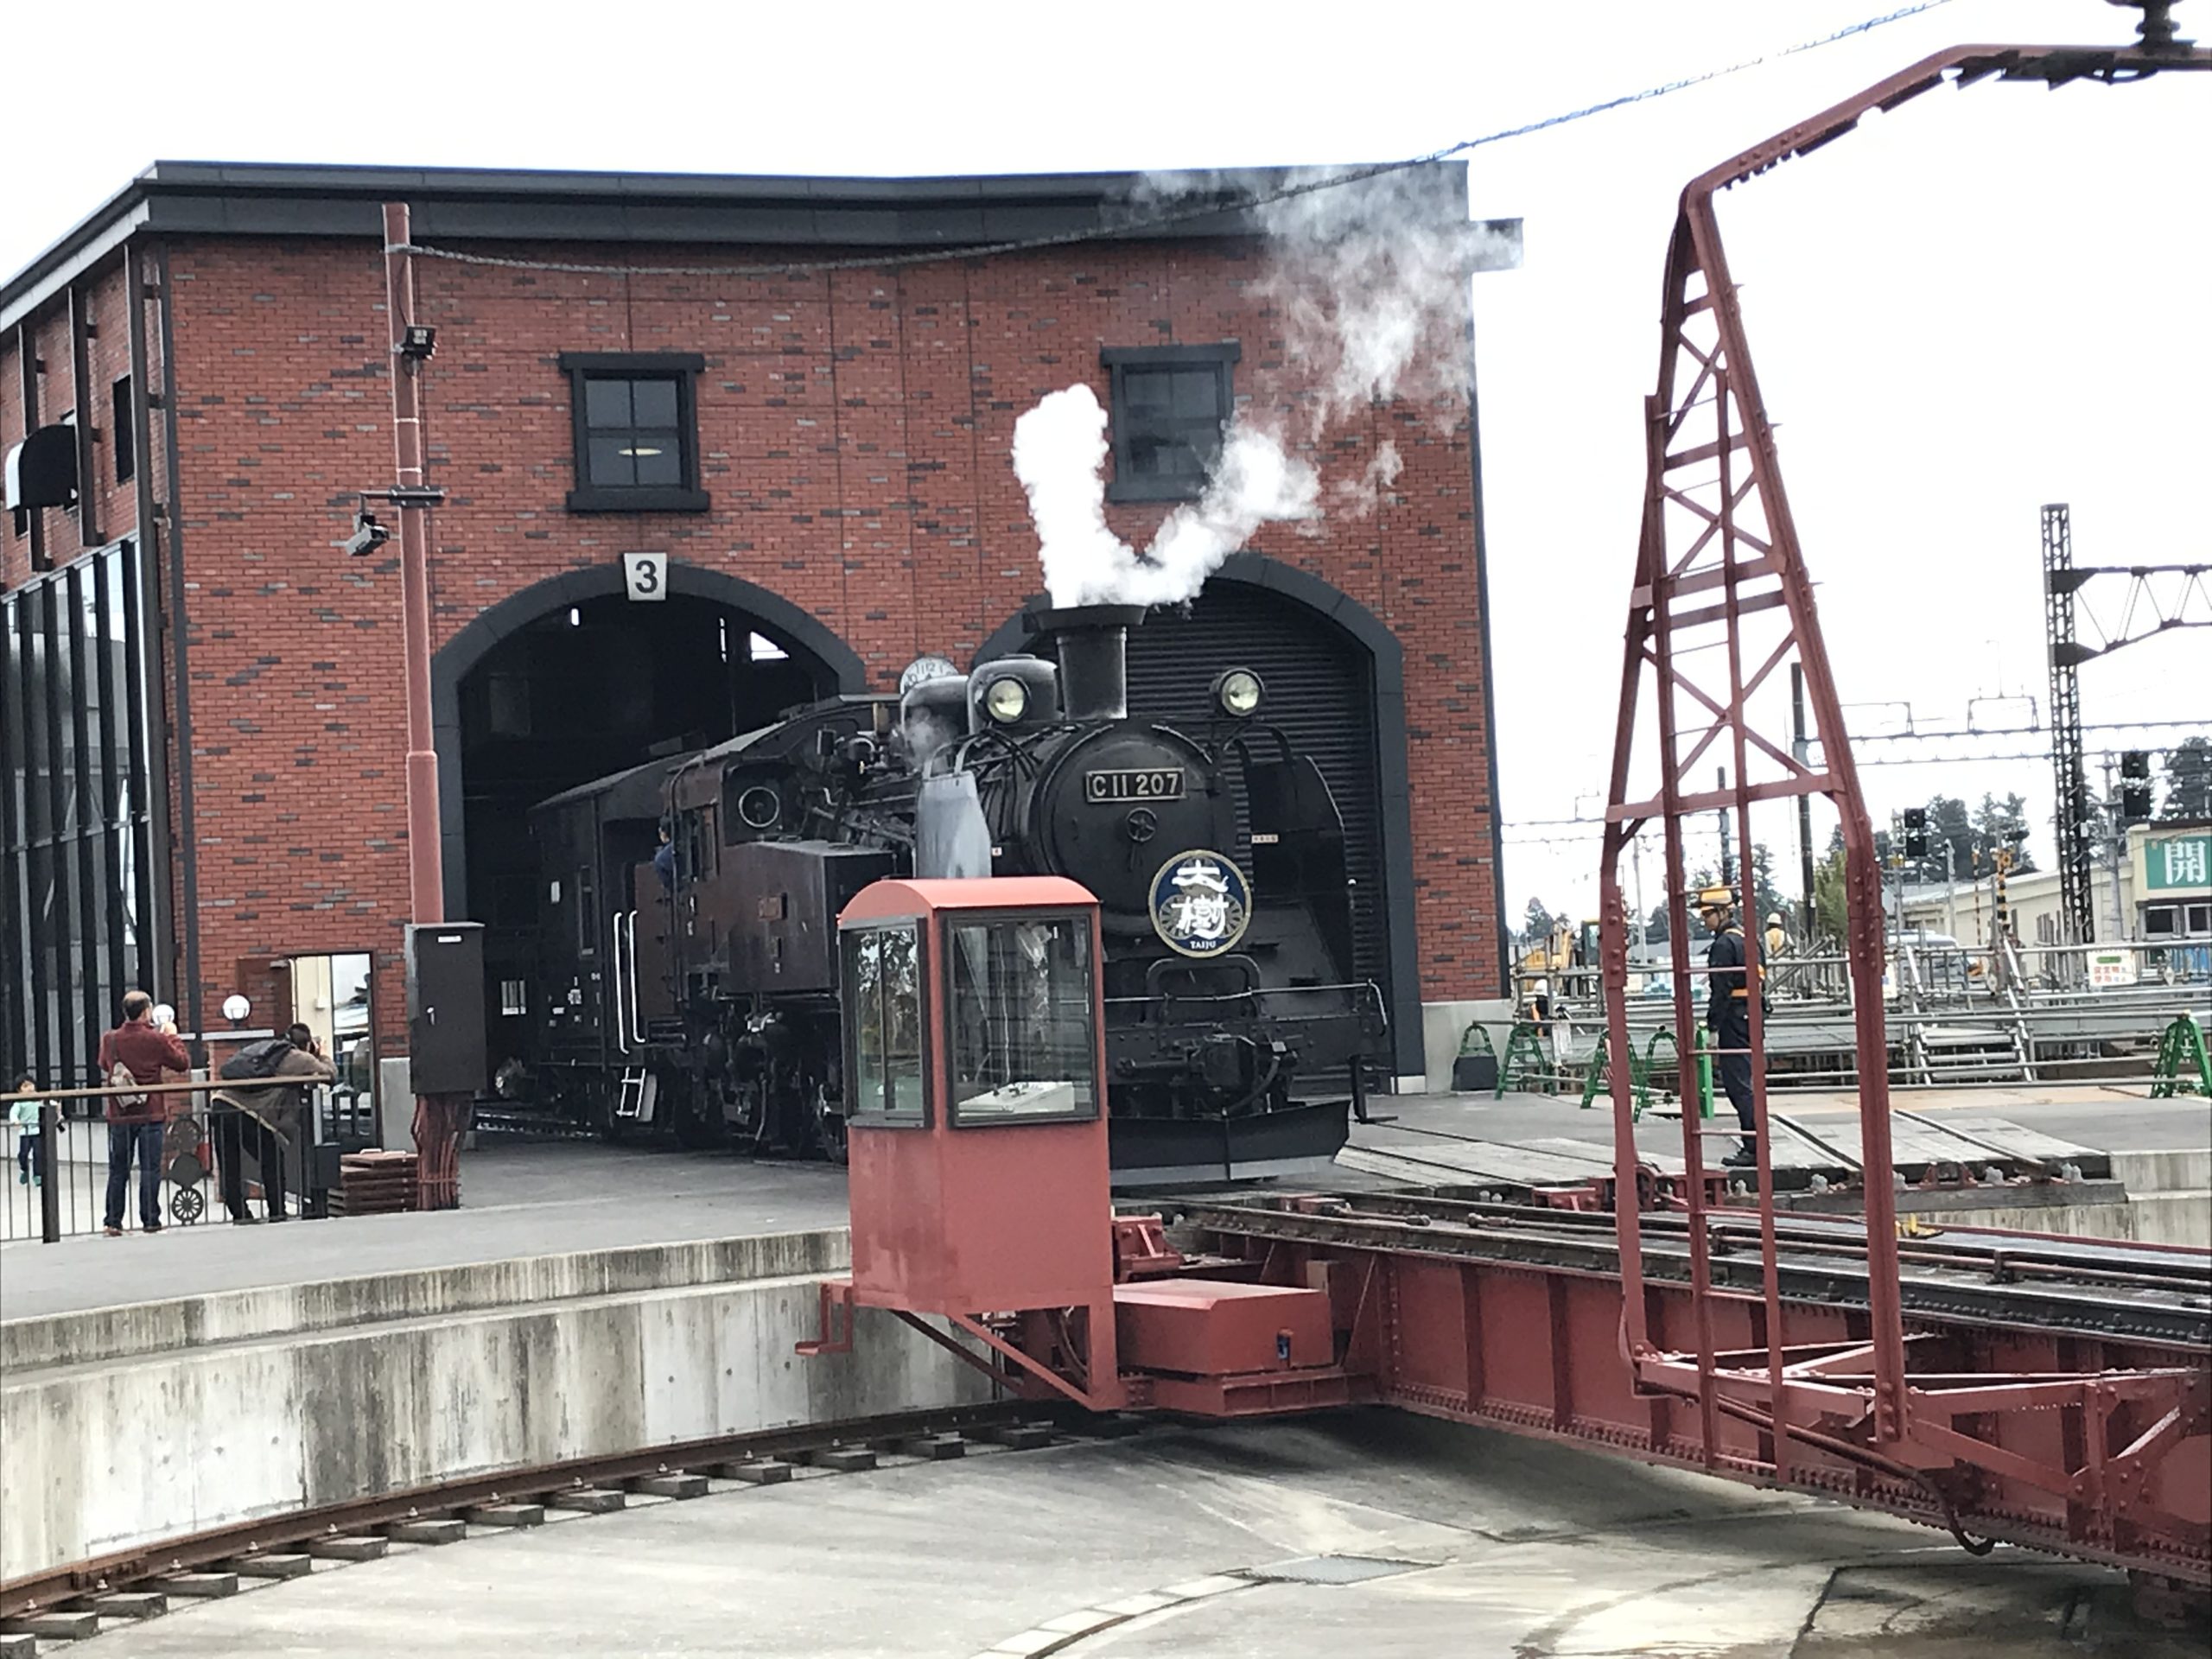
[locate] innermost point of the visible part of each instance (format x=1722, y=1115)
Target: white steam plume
x=1370, y=283
x=1059, y=448
x=1369, y=280
x=1355, y=498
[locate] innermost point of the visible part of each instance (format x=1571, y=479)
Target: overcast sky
x=1987, y=300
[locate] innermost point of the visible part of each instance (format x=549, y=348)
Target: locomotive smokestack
x=1092, y=643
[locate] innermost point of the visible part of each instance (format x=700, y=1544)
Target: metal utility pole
x=1801, y=751
x=425, y=857
x=1642, y=916
x=1950, y=887
x=2115, y=839
x=2159, y=597
x=437, y=1117
x=1727, y=865
x=2070, y=823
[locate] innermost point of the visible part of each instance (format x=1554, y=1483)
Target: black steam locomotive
x=689, y=953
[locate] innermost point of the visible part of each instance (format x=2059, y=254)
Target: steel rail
x=1846, y=1281
x=43, y=1591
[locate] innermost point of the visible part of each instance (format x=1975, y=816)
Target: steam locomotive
x=688, y=950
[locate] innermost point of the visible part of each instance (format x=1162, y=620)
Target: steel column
x=2071, y=823
x=437, y=1117
x=1701, y=534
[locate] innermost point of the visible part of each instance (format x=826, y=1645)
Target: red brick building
x=204, y=773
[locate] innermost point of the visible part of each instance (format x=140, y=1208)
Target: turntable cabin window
x=883, y=1024
x=1024, y=1035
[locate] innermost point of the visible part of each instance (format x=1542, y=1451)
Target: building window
x=122, y=433
x=514, y=997
x=2161, y=921
x=637, y=431
x=2200, y=919
x=1170, y=406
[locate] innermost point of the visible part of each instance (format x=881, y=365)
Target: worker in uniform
x=1728, y=1013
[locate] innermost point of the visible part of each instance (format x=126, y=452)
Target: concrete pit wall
x=126, y=1426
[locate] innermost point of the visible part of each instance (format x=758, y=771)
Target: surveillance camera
x=368, y=535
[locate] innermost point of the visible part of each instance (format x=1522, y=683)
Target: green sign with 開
x=2177, y=862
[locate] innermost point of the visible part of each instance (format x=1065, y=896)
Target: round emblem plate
x=1200, y=903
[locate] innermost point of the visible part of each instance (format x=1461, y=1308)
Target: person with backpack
x=133, y=1055
x=263, y=1123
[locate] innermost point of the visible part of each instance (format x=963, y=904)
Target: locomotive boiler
x=689, y=947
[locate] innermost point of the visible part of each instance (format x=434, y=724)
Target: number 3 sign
x=644, y=575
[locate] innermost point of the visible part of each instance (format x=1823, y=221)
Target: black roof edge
x=459, y=204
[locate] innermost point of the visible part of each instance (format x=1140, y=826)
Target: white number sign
x=644, y=575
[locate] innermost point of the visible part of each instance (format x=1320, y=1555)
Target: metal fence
x=1953, y=1015
x=209, y=1158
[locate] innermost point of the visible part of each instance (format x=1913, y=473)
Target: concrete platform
x=128, y=1427
x=526, y=1199
x=1374, y=1534
x=521, y=1200
x=2150, y=1160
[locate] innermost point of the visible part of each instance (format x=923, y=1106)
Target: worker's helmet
x=1775, y=919
x=1721, y=898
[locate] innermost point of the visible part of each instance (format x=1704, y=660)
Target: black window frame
x=1127, y=484
x=122, y=433
x=875, y=1114
x=682, y=367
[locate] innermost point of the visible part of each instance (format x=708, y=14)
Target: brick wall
x=854, y=435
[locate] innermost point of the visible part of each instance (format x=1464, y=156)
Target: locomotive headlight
x=1006, y=700
x=1238, y=691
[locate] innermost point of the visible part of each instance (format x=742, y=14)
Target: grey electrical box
x=445, y=1007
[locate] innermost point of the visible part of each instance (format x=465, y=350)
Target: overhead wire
x=1163, y=217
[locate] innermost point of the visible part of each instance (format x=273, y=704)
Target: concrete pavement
x=1359, y=1535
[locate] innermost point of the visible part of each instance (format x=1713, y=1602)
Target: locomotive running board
x=1152, y=1153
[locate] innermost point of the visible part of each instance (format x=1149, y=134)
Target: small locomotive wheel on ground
x=187, y=1205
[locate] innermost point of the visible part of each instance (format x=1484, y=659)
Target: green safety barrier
x=1474, y=1045
x=2183, y=1068
x=1524, y=1049
x=1642, y=1069
x=1597, y=1076
x=1651, y=1059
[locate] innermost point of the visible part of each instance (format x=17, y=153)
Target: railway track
x=2007, y=1279
x=70, y=1603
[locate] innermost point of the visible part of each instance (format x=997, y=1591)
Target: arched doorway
x=1336, y=684
x=568, y=681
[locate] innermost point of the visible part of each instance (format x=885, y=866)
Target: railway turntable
x=2055, y=1393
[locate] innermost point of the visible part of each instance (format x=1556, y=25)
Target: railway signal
x=2134, y=787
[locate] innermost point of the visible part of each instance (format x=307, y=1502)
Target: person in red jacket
x=138, y=1051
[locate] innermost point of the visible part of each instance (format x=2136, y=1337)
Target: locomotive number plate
x=1157, y=784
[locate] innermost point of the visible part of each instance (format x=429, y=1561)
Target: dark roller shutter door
x=1320, y=690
